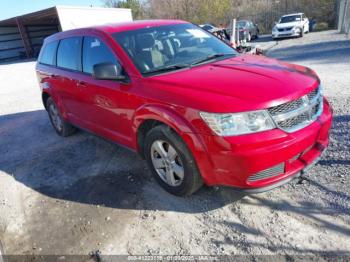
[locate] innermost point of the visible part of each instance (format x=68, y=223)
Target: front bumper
x=232, y=161
x=284, y=34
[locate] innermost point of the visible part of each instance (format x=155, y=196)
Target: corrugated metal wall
x=11, y=44
x=37, y=34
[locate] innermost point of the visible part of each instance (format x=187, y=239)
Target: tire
x=178, y=183
x=249, y=37
x=301, y=32
x=62, y=127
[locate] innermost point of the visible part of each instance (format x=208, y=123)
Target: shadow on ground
x=86, y=169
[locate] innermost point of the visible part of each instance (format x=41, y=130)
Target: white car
x=291, y=25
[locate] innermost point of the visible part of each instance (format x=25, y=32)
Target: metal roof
x=47, y=16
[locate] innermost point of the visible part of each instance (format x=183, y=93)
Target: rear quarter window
x=68, y=53
x=48, y=54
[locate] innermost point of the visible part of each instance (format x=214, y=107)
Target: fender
x=181, y=126
x=162, y=114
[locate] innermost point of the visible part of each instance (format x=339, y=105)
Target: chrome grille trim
x=267, y=173
x=299, y=113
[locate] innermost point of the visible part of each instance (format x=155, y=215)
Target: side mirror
x=108, y=71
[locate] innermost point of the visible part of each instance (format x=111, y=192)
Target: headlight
x=238, y=123
x=274, y=29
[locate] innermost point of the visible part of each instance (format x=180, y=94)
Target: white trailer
x=71, y=17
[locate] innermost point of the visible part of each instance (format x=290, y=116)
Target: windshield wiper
x=167, y=68
x=211, y=57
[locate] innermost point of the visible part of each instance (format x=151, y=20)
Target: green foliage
x=221, y=12
x=134, y=5
x=321, y=26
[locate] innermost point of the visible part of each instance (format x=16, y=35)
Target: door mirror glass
x=108, y=71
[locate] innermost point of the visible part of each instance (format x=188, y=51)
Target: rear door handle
x=81, y=84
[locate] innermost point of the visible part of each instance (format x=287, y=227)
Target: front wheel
x=249, y=37
x=171, y=162
x=301, y=32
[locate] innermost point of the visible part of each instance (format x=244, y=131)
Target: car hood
x=286, y=25
x=245, y=82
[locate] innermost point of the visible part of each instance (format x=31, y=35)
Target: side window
x=48, y=54
x=96, y=52
x=68, y=53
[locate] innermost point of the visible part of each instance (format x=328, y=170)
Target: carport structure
x=23, y=36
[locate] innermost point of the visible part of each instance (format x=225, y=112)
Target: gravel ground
x=79, y=194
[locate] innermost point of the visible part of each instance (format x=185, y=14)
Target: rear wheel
x=61, y=127
x=171, y=162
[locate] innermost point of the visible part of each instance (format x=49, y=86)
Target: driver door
x=105, y=100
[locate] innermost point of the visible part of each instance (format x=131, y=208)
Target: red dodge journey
x=188, y=103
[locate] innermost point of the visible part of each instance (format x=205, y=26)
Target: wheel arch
x=150, y=116
x=44, y=97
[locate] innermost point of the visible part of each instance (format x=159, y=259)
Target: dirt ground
x=79, y=194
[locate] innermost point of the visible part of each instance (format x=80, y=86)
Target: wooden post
x=25, y=37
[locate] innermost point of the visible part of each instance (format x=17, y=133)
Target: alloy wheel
x=167, y=163
x=55, y=116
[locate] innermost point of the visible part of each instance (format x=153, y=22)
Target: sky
x=11, y=8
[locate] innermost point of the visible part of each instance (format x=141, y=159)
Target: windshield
x=171, y=47
x=291, y=18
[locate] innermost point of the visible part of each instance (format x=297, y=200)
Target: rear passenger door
x=46, y=70
x=69, y=73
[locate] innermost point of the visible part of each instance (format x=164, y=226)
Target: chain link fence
x=344, y=16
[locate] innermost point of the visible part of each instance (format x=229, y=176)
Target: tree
x=135, y=5
x=262, y=12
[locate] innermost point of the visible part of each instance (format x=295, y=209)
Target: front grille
x=298, y=113
x=267, y=173
x=287, y=107
x=285, y=29
x=313, y=94
x=293, y=121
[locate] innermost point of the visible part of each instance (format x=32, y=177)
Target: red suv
x=198, y=111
